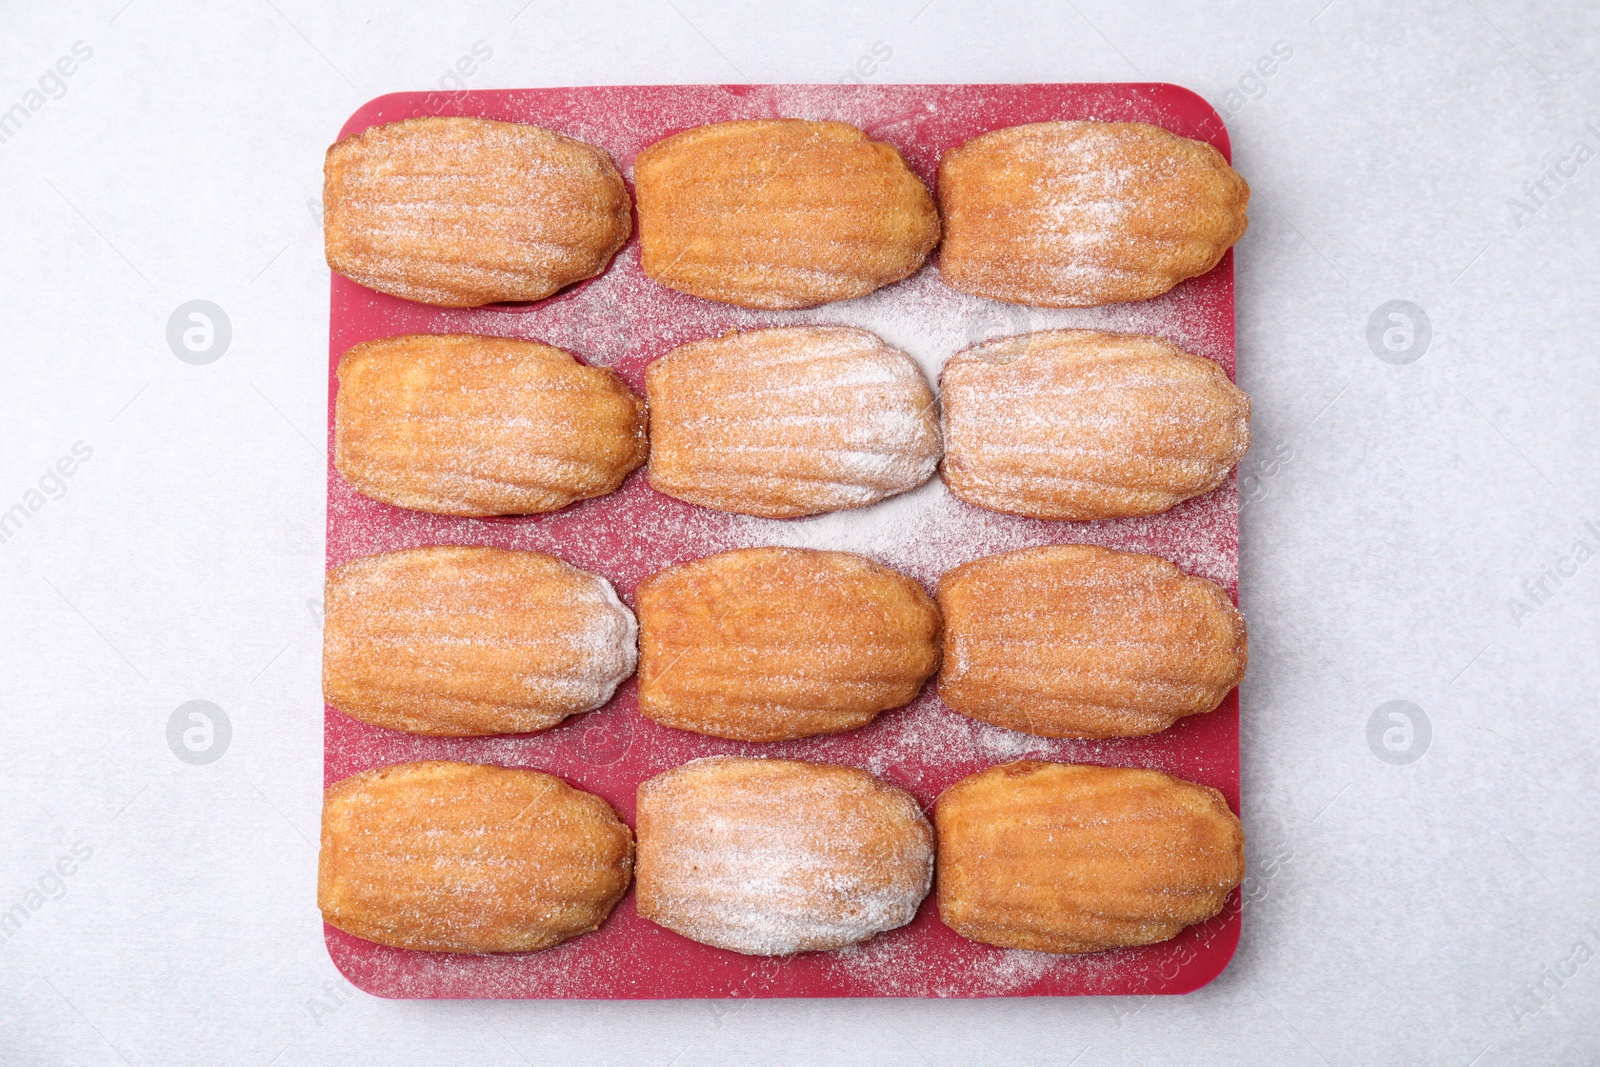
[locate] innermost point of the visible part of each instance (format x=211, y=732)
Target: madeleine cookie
x=1070, y=214
x=462, y=211
x=1079, y=641
x=462, y=857
x=780, y=213
x=463, y=425
x=789, y=422
x=773, y=857
x=771, y=644
x=1058, y=857
x=458, y=641
x=1079, y=424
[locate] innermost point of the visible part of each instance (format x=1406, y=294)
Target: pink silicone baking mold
x=623, y=320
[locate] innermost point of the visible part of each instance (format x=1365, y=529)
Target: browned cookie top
x=1070, y=214
x=460, y=212
x=780, y=213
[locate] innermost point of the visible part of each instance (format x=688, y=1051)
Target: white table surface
x=1441, y=911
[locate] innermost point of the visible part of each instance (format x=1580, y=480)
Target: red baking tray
x=623, y=320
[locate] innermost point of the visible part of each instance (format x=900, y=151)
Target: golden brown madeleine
x=1079, y=424
x=780, y=213
x=1069, y=214
x=789, y=422
x=462, y=211
x=1079, y=641
x=458, y=424
x=459, y=641
x=771, y=857
x=463, y=857
x=1059, y=857
x=771, y=644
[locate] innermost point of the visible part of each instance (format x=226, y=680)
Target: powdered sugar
x=623, y=320
x=790, y=421
x=773, y=857
x=1077, y=424
x=890, y=964
x=607, y=643
x=1080, y=213
x=463, y=212
x=472, y=640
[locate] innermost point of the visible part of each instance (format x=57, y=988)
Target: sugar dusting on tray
x=623, y=320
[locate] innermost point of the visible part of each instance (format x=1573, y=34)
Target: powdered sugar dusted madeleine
x=464, y=425
x=1069, y=214
x=1080, y=641
x=780, y=213
x=774, y=857
x=462, y=857
x=463, y=211
x=771, y=644
x=789, y=422
x=1079, y=424
x=460, y=641
x=1059, y=857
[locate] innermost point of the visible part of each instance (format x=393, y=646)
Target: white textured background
x=1441, y=911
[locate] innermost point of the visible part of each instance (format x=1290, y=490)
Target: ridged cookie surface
x=791, y=421
x=1070, y=214
x=1080, y=424
x=460, y=212
x=460, y=641
x=462, y=857
x=774, y=857
x=1079, y=641
x=780, y=213
x=1058, y=857
x=458, y=424
x=770, y=644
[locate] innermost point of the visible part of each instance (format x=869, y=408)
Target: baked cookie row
x=774, y=644
x=791, y=422
x=774, y=857
x=778, y=213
